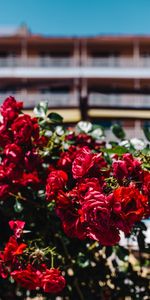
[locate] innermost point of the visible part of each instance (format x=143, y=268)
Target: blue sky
x=78, y=17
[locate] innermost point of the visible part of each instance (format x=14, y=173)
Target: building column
x=84, y=55
x=136, y=53
x=83, y=99
x=75, y=92
x=24, y=51
x=24, y=57
x=76, y=53
x=136, y=58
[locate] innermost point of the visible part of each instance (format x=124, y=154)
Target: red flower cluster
x=50, y=280
x=90, y=207
x=96, y=195
x=13, y=263
x=127, y=167
x=19, y=136
x=13, y=249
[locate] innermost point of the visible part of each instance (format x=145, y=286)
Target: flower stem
x=52, y=261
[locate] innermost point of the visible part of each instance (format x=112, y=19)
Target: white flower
x=84, y=126
x=59, y=130
x=138, y=144
x=98, y=132
x=48, y=133
x=125, y=144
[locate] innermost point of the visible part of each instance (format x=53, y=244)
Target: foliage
x=65, y=196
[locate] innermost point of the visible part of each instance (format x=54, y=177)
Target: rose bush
x=66, y=188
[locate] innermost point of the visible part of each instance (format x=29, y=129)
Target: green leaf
x=55, y=118
x=113, y=143
x=146, y=151
x=116, y=150
x=118, y=131
x=107, y=158
x=146, y=131
x=146, y=166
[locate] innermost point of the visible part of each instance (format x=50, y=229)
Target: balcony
x=119, y=101
x=36, y=62
x=71, y=99
x=55, y=100
x=112, y=106
x=50, y=68
x=61, y=62
x=119, y=62
x=99, y=105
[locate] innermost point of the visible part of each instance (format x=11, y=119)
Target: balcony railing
x=72, y=99
x=46, y=62
x=119, y=62
x=36, y=62
x=54, y=99
x=121, y=101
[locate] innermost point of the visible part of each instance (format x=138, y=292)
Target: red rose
x=95, y=212
x=86, y=186
x=28, y=278
x=120, y=170
x=17, y=227
x=66, y=158
x=30, y=179
x=56, y=181
x=129, y=206
x=68, y=214
x=72, y=225
x=127, y=167
x=35, y=131
x=86, y=161
x=52, y=281
x=108, y=235
x=5, y=135
x=13, y=153
x=10, y=171
x=133, y=164
x=85, y=212
x=12, y=249
x=42, y=141
x=70, y=218
x=71, y=135
x=146, y=183
x=82, y=163
x=62, y=200
x=4, y=190
x=24, y=127
x=10, y=109
x=84, y=139
x=3, y=270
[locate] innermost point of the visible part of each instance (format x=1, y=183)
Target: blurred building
x=102, y=77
